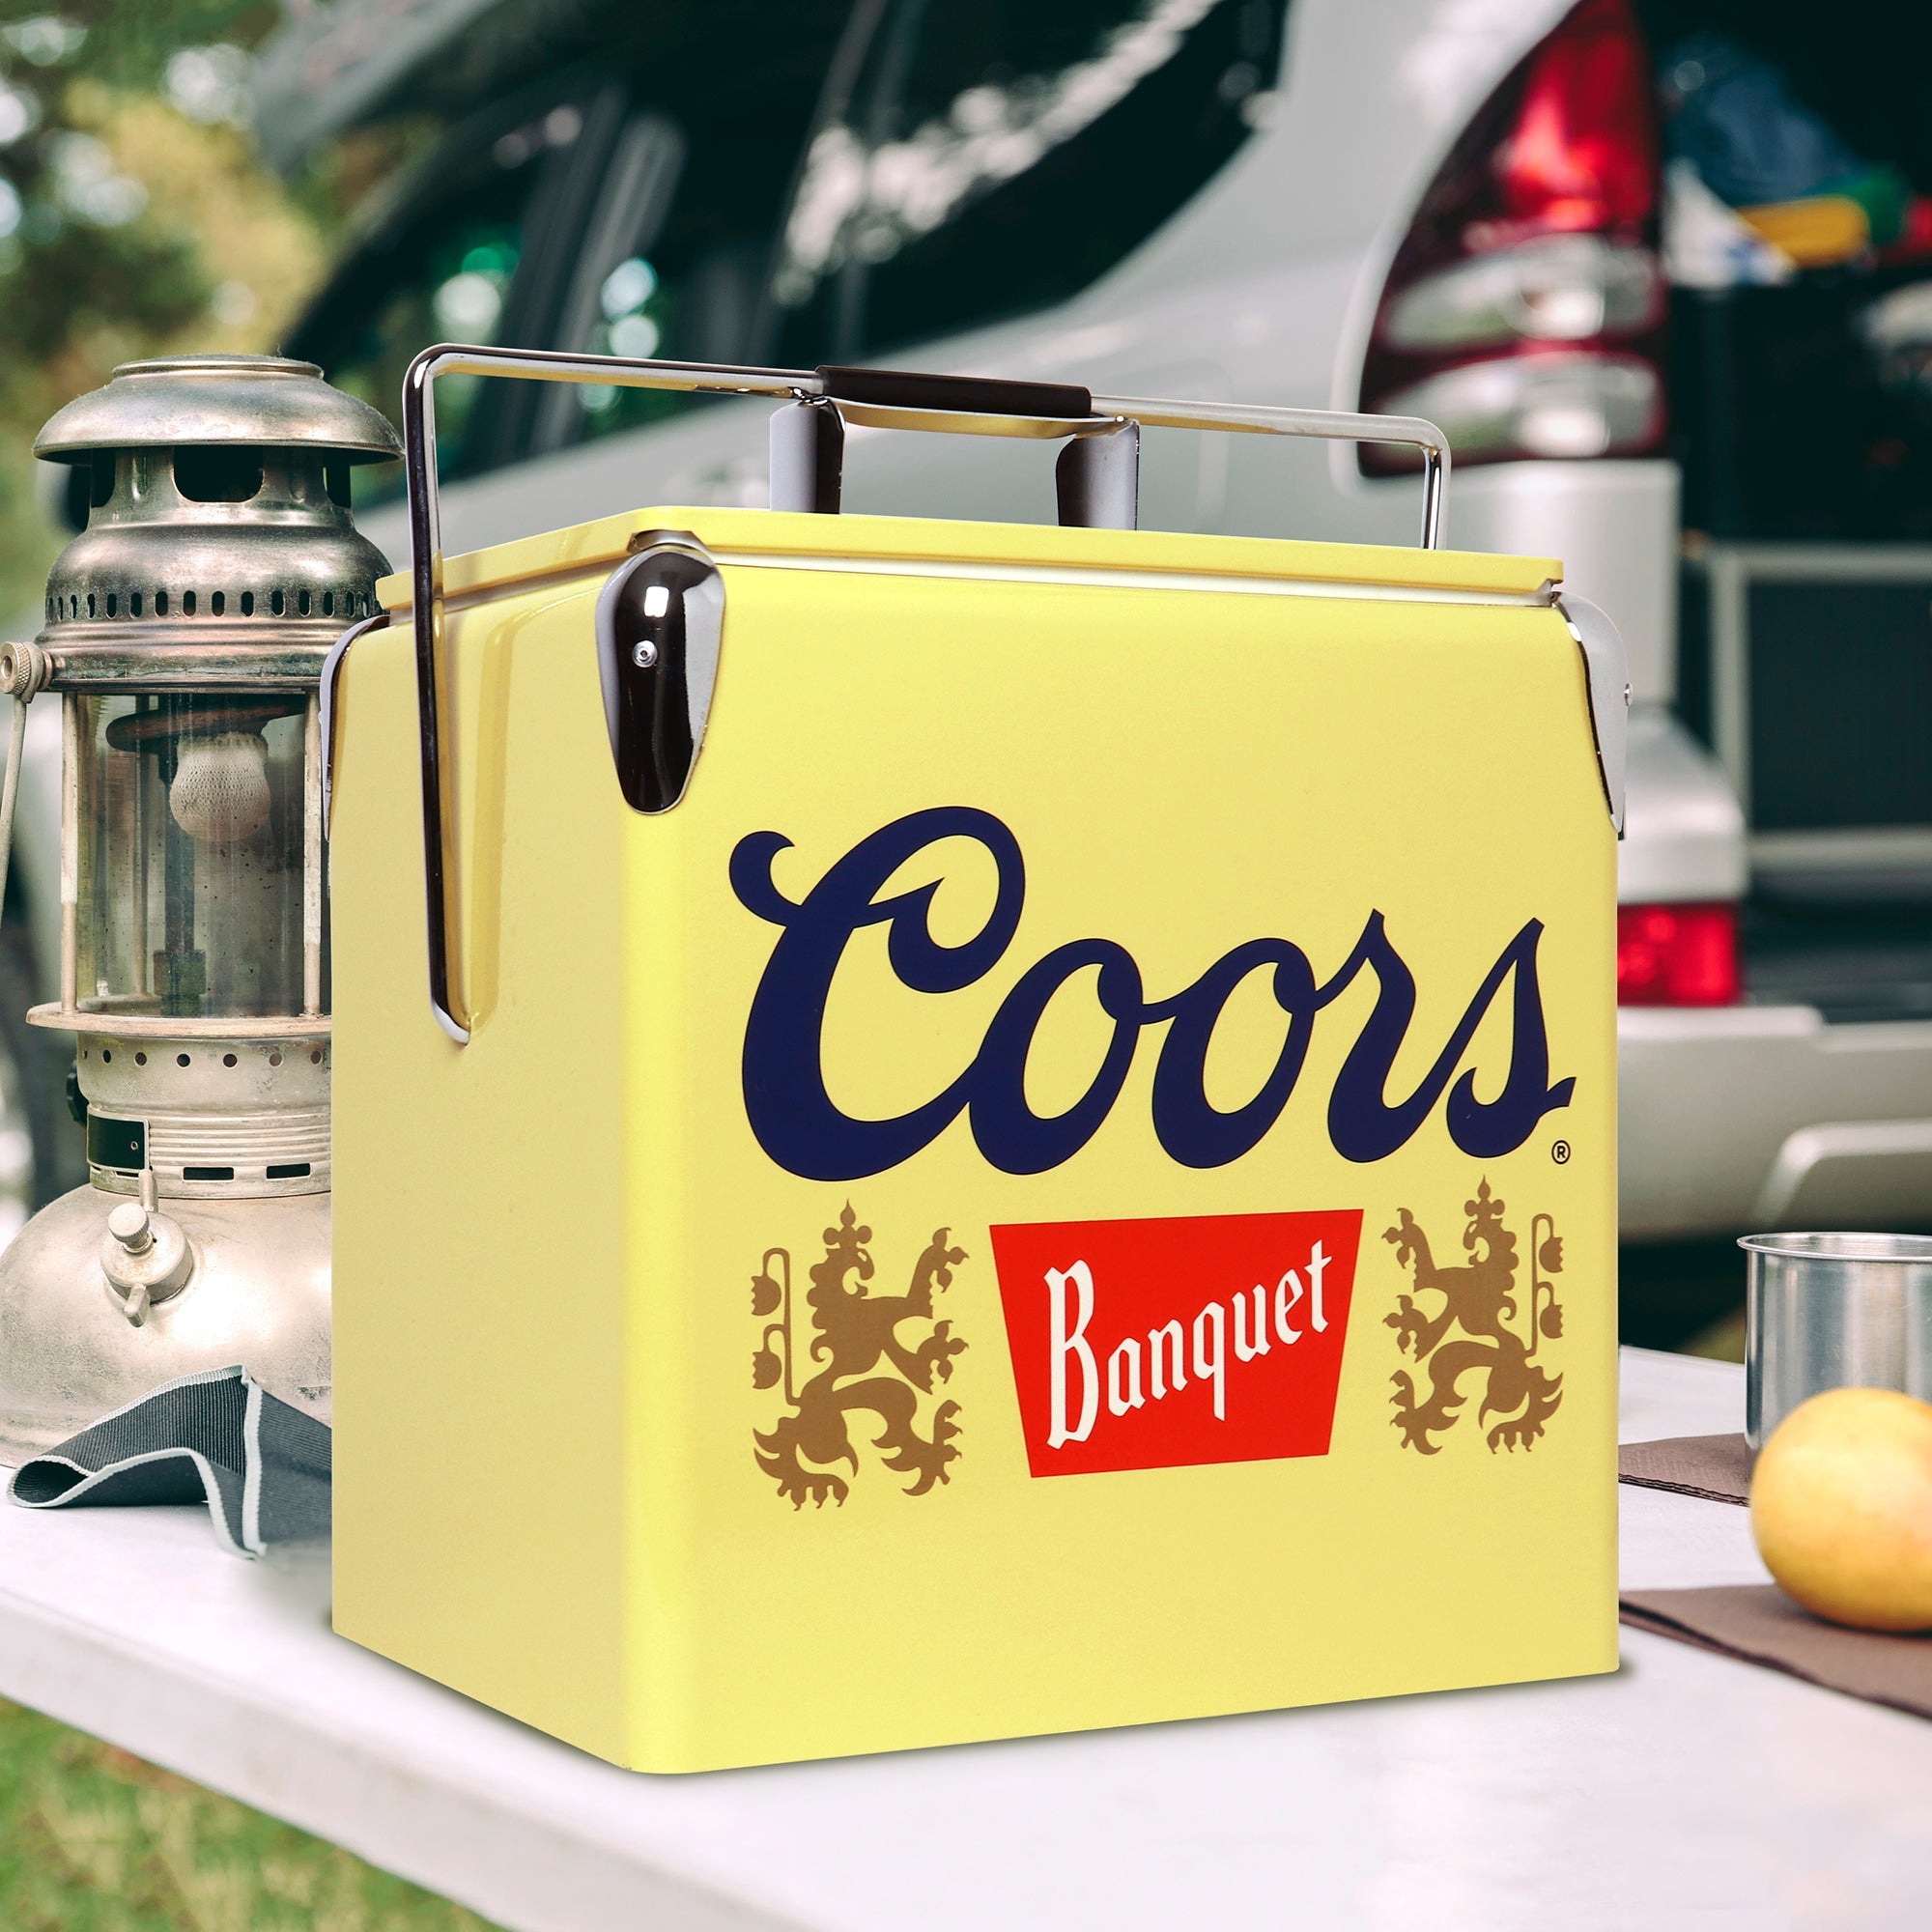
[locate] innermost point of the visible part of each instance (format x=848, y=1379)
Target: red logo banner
x=1145, y=1345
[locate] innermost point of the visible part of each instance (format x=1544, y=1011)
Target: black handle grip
x=971, y=395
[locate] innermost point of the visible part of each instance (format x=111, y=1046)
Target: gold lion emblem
x=854, y=1329
x=1481, y=1301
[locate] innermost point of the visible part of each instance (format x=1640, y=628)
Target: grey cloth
x=261, y=1466
x=1716, y=1467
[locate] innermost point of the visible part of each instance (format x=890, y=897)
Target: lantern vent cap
x=249, y=401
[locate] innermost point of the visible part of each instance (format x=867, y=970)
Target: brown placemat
x=1757, y=1622
x=1716, y=1467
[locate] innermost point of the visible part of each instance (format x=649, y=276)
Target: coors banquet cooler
x=969, y=1130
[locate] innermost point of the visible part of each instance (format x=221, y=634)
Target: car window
x=446, y=256
x=980, y=159
x=624, y=197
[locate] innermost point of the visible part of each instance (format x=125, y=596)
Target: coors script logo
x=802, y=1129
x=1141, y=1345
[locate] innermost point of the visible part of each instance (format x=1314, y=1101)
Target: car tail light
x=1677, y=956
x=1524, y=311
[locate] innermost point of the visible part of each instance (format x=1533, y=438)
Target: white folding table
x=1686, y=1790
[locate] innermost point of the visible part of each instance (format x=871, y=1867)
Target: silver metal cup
x=1833, y=1311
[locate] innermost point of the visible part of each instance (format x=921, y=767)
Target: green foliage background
x=132, y=226
x=93, y=1840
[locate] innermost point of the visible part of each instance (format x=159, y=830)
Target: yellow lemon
x=1841, y=1507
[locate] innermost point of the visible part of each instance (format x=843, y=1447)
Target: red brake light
x=1582, y=153
x=1677, y=956
x=1524, y=310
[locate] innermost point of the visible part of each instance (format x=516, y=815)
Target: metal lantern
x=186, y=629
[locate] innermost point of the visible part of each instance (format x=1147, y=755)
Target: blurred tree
x=134, y=218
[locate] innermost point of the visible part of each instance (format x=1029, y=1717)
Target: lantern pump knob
x=144, y=1255
x=128, y=1225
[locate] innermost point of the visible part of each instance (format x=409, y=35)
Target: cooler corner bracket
x=1606, y=679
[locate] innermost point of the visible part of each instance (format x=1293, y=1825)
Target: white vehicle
x=1446, y=210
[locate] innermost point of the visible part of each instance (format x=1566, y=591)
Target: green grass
x=95, y=1840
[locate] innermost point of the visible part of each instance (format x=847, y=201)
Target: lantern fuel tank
x=184, y=635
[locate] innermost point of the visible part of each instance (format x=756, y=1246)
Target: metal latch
x=659, y=622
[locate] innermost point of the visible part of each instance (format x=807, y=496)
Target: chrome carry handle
x=1097, y=476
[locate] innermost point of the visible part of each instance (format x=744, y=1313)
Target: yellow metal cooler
x=956, y=1130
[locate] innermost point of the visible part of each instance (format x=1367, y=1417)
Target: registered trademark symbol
x=1559, y=1153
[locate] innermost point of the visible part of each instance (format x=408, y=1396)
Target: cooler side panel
x=478, y=1230
x=1183, y=772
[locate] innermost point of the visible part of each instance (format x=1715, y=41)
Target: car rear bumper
x=1732, y=1119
